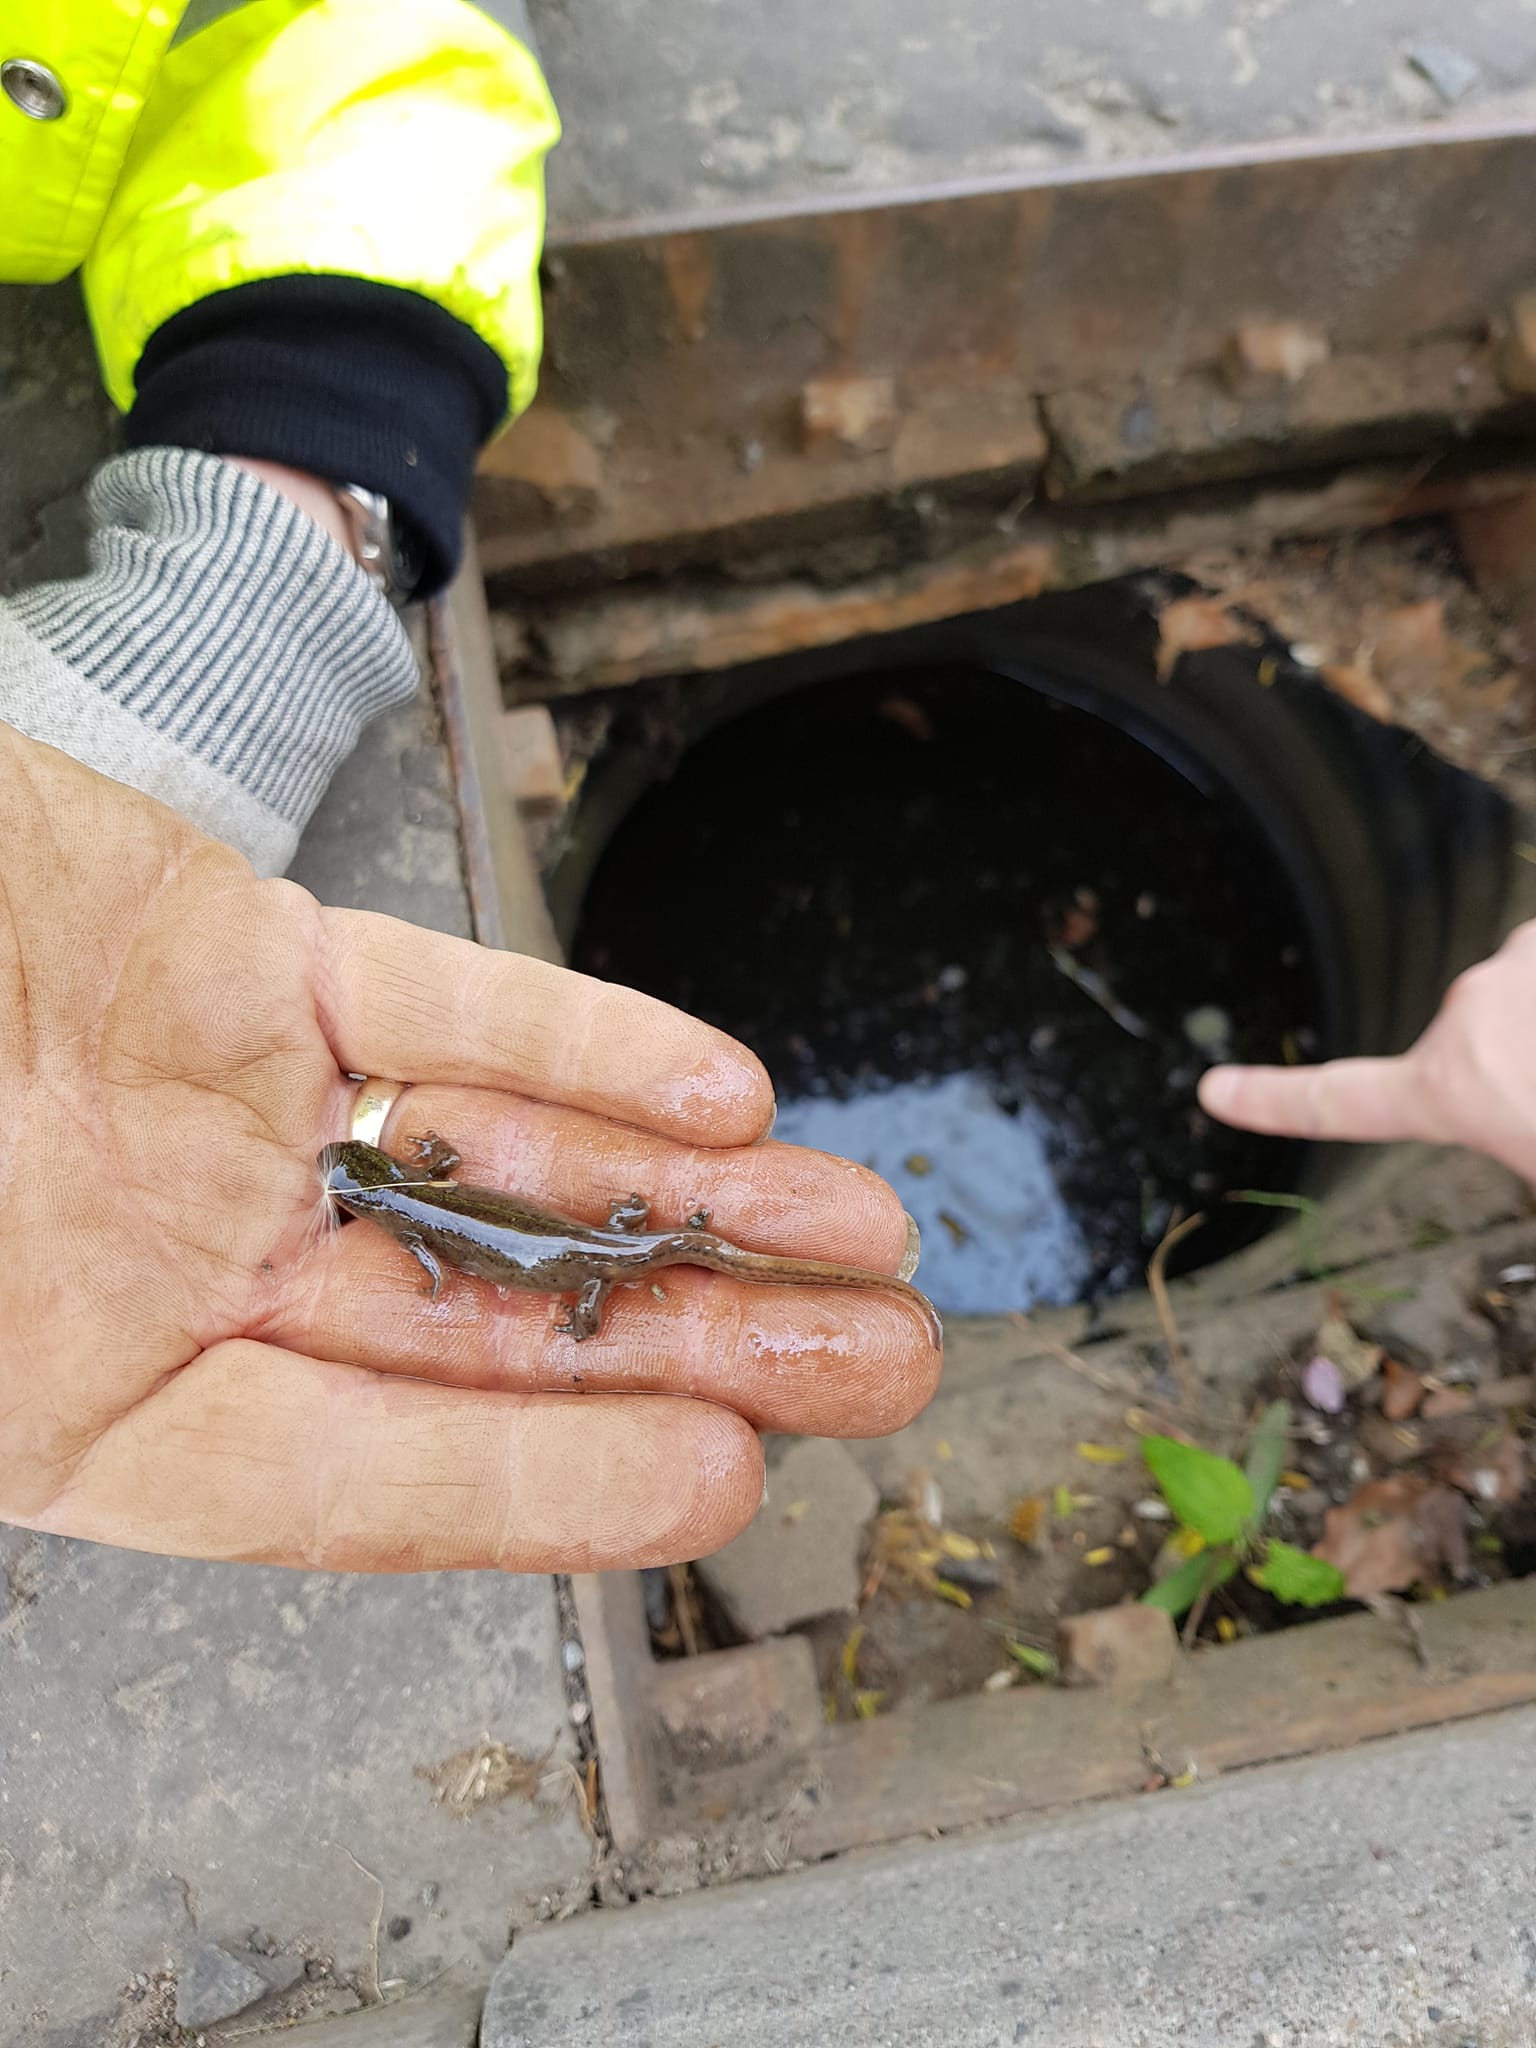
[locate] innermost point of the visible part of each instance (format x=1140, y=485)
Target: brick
x=800, y=1558
x=533, y=773
x=739, y=1706
x=1117, y=1646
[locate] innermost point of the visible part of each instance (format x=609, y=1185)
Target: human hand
x=1470, y=1080
x=188, y=1365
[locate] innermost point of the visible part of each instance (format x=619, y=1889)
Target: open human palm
x=189, y=1364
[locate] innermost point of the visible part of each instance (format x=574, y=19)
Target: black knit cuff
x=365, y=383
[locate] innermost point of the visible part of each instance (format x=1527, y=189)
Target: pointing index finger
x=1372, y=1101
x=418, y=1006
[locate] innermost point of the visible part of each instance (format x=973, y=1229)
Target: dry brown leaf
x=1494, y=1474
x=1356, y=1359
x=484, y=1776
x=1415, y=649
x=1393, y=1534
x=1190, y=625
x=1358, y=686
x=1447, y=1401
x=1402, y=1391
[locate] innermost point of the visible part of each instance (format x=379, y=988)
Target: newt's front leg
x=584, y=1318
x=432, y=1154
x=427, y=1263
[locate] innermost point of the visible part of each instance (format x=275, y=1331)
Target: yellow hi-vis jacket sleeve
x=400, y=141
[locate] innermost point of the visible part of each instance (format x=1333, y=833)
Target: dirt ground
x=1022, y=1496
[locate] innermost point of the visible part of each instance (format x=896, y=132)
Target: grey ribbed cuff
x=222, y=654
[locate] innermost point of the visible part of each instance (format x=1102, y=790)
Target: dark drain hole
x=986, y=943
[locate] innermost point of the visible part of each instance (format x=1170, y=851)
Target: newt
x=498, y=1236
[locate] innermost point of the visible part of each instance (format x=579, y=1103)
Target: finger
x=417, y=1006
x=257, y=1454
x=771, y=1198
x=807, y=1360
x=1371, y=1101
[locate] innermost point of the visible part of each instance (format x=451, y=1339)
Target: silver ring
x=375, y=1099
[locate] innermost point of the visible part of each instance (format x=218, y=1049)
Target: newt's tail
x=703, y=1248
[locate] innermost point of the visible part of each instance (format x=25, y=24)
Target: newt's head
x=350, y=1172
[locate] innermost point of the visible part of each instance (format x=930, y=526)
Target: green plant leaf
x=1376, y=1297
x=1306, y=1212
x=1261, y=1198
x=1297, y=1577
x=1207, y=1493
x=1266, y=1457
x=1040, y=1662
x=1183, y=1587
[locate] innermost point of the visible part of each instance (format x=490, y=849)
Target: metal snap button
x=32, y=88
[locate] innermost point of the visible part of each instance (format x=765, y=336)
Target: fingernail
x=914, y=1250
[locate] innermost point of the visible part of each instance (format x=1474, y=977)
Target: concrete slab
x=1382, y=1895
x=715, y=110
x=55, y=426
x=195, y=1753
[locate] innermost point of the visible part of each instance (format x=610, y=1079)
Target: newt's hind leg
x=584, y=1317
x=631, y=1214
x=432, y=1154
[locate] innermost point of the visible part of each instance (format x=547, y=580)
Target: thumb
x=1370, y=1101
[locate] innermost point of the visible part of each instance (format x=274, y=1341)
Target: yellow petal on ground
x=1102, y=1454
x=851, y=1653
x=962, y=1548
x=1297, y=1481
x=944, y=1449
x=1226, y=1628
x=1102, y=1555
x=948, y=1590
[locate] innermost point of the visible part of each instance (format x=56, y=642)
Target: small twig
x=1401, y=1617
x=583, y=1786
x=1197, y=1612
x=1410, y=483
x=265, y=2030
x=682, y=1607
x=1124, y=1390
x=1098, y=990
x=378, y=1919
x=1120, y=1389
x=1157, y=1285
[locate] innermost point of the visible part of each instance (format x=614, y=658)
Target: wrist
x=333, y=377
x=312, y=494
